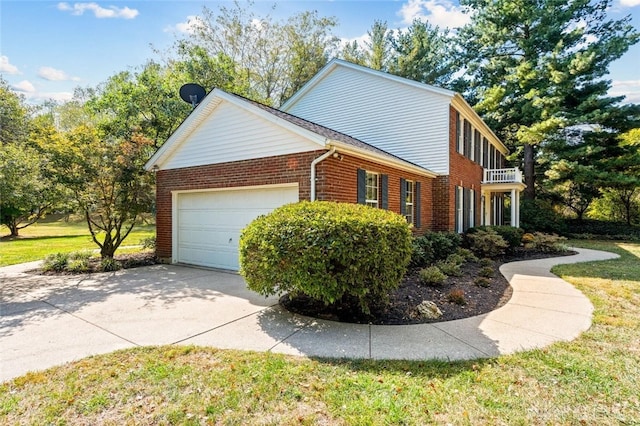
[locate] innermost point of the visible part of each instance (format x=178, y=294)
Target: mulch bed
x=125, y=261
x=402, y=307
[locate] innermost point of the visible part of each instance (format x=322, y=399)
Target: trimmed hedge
x=327, y=251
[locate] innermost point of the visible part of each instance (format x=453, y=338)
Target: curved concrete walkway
x=46, y=321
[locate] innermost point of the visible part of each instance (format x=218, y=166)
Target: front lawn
x=58, y=236
x=592, y=380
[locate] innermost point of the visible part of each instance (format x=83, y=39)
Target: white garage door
x=209, y=223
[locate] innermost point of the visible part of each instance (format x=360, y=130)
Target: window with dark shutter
x=465, y=209
x=418, y=221
x=403, y=197
x=477, y=146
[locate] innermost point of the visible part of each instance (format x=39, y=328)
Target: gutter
x=313, y=170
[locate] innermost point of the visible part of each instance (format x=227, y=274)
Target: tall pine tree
x=537, y=66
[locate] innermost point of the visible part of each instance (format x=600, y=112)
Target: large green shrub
x=327, y=251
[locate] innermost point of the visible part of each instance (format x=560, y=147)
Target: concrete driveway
x=50, y=320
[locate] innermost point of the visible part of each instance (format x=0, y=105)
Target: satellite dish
x=192, y=93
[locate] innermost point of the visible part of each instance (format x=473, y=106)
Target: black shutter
x=362, y=186
x=478, y=142
x=416, y=204
x=458, y=131
x=403, y=197
x=384, y=192
x=465, y=209
x=485, y=153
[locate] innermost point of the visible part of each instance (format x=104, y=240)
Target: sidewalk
x=49, y=320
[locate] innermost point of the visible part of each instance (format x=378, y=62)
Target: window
x=372, y=189
x=468, y=134
x=465, y=209
x=459, y=209
x=409, y=197
x=485, y=153
x=477, y=147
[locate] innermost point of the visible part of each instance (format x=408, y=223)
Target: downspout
x=313, y=171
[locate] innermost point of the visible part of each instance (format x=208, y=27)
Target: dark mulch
x=401, y=308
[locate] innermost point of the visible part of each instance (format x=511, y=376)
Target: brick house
x=351, y=134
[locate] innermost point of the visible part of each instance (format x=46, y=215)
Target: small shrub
x=527, y=238
x=327, y=251
x=467, y=255
x=482, y=282
x=547, y=243
x=148, y=243
x=486, y=271
x=484, y=262
x=109, y=264
x=455, y=259
x=56, y=262
x=431, y=276
x=487, y=243
x=434, y=246
x=78, y=265
x=451, y=269
x=457, y=296
x=512, y=235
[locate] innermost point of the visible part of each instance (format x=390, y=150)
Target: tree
x=423, y=53
x=536, y=66
x=14, y=115
x=108, y=182
x=270, y=59
x=378, y=46
x=24, y=191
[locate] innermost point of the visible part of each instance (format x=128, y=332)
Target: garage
x=207, y=224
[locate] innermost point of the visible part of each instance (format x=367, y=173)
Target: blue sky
x=47, y=48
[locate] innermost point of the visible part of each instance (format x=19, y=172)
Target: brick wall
x=336, y=180
x=462, y=172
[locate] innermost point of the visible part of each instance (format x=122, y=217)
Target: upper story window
x=372, y=189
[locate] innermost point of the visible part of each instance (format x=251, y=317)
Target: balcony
x=499, y=176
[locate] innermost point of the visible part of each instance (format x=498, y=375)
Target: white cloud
x=6, y=66
x=99, y=11
x=628, y=88
x=25, y=86
x=442, y=13
x=188, y=27
x=52, y=74
x=630, y=3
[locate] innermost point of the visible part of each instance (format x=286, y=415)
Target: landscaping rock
x=428, y=310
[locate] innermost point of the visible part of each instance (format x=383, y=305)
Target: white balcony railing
x=513, y=175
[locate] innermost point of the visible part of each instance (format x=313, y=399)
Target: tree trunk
x=529, y=172
x=14, y=230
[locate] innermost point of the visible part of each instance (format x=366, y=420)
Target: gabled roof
x=457, y=101
x=323, y=136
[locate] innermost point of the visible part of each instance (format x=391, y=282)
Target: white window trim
x=472, y=212
x=370, y=201
x=409, y=206
x=460, y=209
x=460, y=135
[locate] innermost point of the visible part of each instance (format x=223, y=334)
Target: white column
x=514, y=221
x=517, y=202
x=487, y=209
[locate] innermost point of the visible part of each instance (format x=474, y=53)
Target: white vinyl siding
x=406, y=121
x=232, y=134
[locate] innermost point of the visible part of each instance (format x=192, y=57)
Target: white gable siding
x=231, y=134
x=403, y=120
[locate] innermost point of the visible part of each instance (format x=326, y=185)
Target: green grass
x=592, y=380
x=38, y=240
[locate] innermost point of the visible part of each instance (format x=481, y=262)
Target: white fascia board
x=462, y=105
x=397, y=163
x=204, y=110
x=334, y=63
